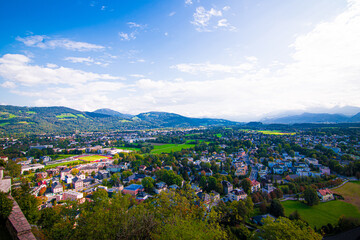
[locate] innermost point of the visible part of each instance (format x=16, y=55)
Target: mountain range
x=31, y=120
x=314, y=118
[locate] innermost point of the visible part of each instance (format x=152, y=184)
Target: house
x=208, y=172
x=159, y=187
x=103, y=174
x=78, y=183
x=196, y=188
x=136, y=177
x=133, y=189
x=64, y=174
x=268, y=188
x=228, y=187
x=45, y=159
x=57, y=188
x=255, y=186
x=324, y=170
x=32, y=167
x=4, y=158
x=204, y=197
x=236, y=195
x=142, y=196
x=72, y=196
x=241, y=171
x=325, y=194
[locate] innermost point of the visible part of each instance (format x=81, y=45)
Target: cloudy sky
x=235, y=59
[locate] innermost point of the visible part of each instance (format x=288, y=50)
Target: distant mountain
x=111, y=112
x=165, y=119
x=314, y=118
x=355, y=118
x=38, y=120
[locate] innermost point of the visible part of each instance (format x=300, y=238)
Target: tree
x=13, y=169
x=74, y=171
x=276, y=208
x=148, y=183
x=126, y=174
x=6, y=205
x=311, y=196
x=295, y=215
x=246, y=185
x=284, y=229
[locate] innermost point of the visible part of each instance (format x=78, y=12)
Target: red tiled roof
x=324, y=192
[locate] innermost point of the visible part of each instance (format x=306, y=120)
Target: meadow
x=167, y=148
x=351, y=193
x=323, y=213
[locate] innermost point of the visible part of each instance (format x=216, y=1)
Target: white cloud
x=17, y=68
x=172, y=14
x=188, y=2
x=223, y=23
x=79, y=59
x=202, y=18
x=46, y=42
x=137, y=75
x=210, y=68
x=226, y=8
x=135, y=25
x=126, y=36
x=8, y=84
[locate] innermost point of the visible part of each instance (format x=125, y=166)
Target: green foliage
x=13, y=169
x=27, y=202
x=246, y=185
x=6, y=205
x=148, y=183
x=284, y=229
x=276, y=209
x=169, y=177
x=311, y=196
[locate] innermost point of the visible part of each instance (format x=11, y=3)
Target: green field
x=61, y=156
x=323, y=213
x=351, y=193
x=219, y=135
x=5, y=123
x=66, y=115
x=63, y=164
x=167, y=148
x=92, y=158
x=129, y=148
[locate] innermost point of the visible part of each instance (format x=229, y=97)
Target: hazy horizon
x=237, y=60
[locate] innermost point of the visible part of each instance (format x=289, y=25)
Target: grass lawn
x=61, y=156
x=128, y=148
x=92, y=158
x=219, y=135
x=167, y=148
x=63, y=164
x=323, y=213
x=351, y=193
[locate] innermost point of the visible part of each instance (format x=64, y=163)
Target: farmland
x=323, y=213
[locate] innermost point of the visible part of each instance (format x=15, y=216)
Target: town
x=278, y=172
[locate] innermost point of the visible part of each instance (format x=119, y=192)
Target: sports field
x=92, y=158
x=323, y=213
x=167, y=148
x=351, y=193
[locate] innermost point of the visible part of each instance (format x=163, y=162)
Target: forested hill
x=29, y=120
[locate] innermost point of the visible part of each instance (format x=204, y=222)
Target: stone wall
x=17, y=225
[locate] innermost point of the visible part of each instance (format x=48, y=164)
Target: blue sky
x=235, y=59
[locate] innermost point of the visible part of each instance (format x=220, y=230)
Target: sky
x=235, y=59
